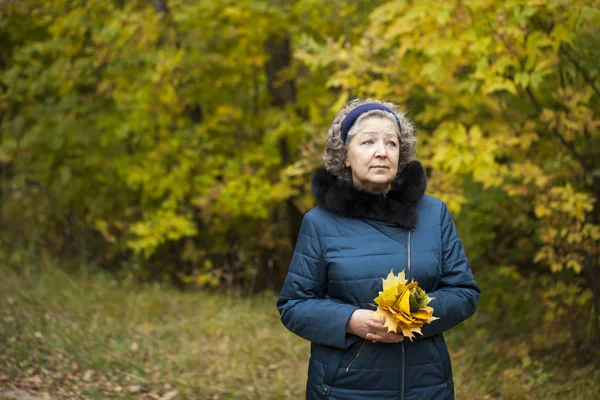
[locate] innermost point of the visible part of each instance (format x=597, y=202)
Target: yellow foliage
x=403, y=305
x=567, y=234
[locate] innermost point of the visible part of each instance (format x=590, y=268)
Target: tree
x=171, y=129
x=506, y=96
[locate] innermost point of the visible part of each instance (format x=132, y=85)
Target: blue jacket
x=346, y=245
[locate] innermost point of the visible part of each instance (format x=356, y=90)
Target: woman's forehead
x=377, y=125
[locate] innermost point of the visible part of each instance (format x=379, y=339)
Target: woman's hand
x=361, y=324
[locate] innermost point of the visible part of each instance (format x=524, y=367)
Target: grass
x=78, y=337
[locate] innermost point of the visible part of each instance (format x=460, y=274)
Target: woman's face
x=373, y=154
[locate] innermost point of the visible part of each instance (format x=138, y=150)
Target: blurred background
x=155, y=161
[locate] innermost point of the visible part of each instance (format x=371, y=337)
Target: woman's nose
x=380, y=150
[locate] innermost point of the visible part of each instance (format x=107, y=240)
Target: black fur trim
x=399, y=205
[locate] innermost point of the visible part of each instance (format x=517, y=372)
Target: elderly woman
x=372, y=216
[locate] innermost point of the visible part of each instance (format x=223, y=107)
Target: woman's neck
x=372, y=187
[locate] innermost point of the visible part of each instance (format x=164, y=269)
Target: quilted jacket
x=346, y=245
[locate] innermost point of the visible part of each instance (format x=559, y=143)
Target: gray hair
x=336, y=150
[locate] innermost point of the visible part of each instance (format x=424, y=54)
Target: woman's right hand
x=361, y=324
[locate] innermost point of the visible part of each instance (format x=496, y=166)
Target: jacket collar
x=399, y=205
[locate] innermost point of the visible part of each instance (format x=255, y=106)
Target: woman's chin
x=381, y=180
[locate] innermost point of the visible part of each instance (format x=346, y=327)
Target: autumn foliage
x=174, y=140
x=403, y=306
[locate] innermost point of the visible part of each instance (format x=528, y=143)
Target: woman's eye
x=368, y=142
x=393, y=144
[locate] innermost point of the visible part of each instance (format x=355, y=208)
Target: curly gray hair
x=336, y=150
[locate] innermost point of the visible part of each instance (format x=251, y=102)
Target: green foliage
x=507, y=101
x=151, y=129
x=177, y=143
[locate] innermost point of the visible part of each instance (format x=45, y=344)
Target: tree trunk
x=283, y=93
x=160, y=6
x=594, y=265
x=4, y=167
x=280, y=57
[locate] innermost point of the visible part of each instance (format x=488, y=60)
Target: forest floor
x=64, y=336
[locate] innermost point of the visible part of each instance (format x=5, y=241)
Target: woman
x=372, y=216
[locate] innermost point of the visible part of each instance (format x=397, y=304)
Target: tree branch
x=588, y=168
x=583, y=72
x=588, y=137
x=504, y=110
x=533, y=99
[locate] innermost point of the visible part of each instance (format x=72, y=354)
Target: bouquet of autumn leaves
x=403, y=306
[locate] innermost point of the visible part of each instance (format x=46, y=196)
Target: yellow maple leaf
x=390, y=321
x=393, y=280
x=393, y=306
x=404, y=301
x=388, y=296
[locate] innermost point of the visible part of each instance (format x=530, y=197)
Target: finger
x=385, y=337
x=378, y=328
x=375, y=322
x=393, y=338
x=374, y=337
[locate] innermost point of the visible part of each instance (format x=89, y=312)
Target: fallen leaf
x=88, y=375
x=134, y=346
x=34, y=380
x=134, y=389
x=38, y=335
x=169, y=395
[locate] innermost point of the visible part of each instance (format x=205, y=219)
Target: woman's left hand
x=378, y=333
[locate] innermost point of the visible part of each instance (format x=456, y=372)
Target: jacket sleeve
x=303, y=305
x=457, y=294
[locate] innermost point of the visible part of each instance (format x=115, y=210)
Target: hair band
x=358, y=111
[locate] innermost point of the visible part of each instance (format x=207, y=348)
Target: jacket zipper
x=362, y=347
x=403, y=364
x=409, y=253
x=366, y=342
x=403, y=354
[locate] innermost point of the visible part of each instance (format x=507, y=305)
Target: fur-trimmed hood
x=399, y=205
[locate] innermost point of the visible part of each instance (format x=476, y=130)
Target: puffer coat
x=346, y=245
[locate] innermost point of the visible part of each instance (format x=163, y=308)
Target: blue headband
x=358, y=111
